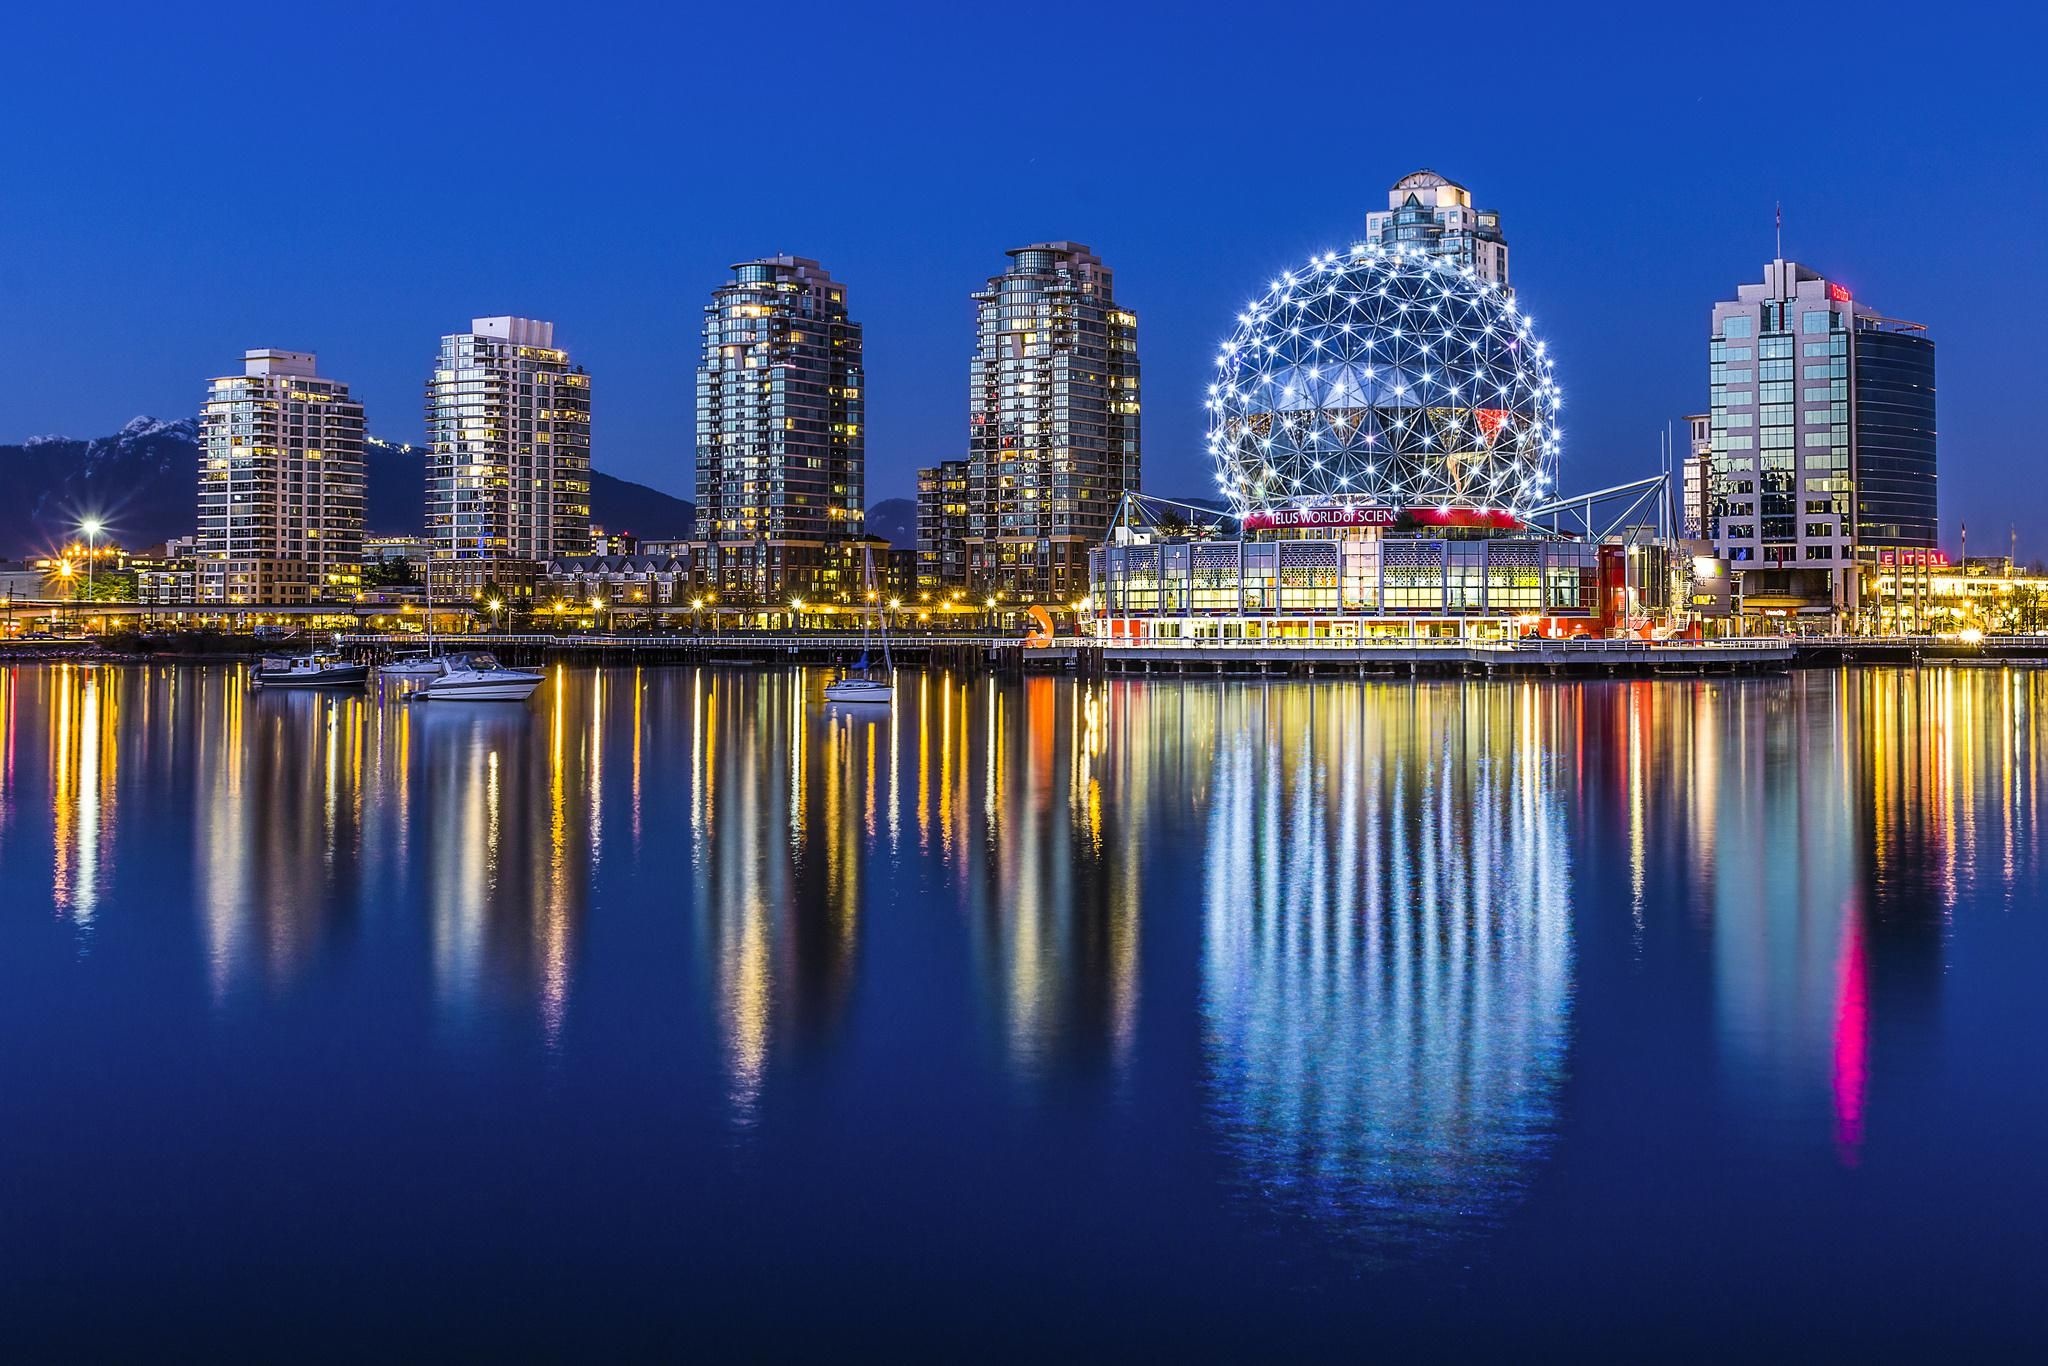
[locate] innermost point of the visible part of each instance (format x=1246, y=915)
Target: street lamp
x=494, y=604
x=91, y=526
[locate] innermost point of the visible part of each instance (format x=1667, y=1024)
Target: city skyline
x=1625, y=231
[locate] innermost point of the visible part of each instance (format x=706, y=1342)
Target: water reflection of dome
x=1387, y=1002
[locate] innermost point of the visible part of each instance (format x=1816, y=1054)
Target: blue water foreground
x=678, y=1013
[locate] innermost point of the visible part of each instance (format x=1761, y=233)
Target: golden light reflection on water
x=1850, y=813
x=1393, y=881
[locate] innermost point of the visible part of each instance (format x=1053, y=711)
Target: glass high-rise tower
x=781, y=443
x=781, y=453
x=1823, y=439
x=280, y=485
x=1053, y=422
x=508, y=422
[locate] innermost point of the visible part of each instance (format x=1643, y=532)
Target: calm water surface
x=676, y=1012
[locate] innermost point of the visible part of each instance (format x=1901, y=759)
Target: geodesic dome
x=1389, y=380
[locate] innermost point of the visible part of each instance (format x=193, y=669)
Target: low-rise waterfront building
x=21, y=581
x=391, y=549
x=735, y=575
x=1354, y=587
x=654, y=580
x=1923, y=592
x=172, y=581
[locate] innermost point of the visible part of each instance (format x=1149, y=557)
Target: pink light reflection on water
x=1852, y=1043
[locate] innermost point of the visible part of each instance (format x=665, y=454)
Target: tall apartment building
x=781, y=446
x=1823, y=438
x=1053, y=422
x=1696, y=491
x=942, y=521
x=280, y=485
x=508, y=427
x=1430, y=213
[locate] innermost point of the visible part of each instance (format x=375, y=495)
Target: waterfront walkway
x=1384, y=656
x=1398, y=657
x=1370, y=656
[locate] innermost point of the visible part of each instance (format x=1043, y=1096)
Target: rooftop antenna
x=1781, y=230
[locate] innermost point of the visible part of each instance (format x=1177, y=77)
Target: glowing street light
x=91, y=527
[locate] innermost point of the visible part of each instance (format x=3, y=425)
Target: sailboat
x=861, y=685
x=417, y=664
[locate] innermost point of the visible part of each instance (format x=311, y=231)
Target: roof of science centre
x=1382, y=384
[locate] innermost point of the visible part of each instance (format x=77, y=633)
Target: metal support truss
x=1651, y=493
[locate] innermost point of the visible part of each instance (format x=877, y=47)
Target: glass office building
x=1823, y=439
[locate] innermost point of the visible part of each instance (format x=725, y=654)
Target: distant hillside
x=895, y=519
x=143, y=481
x=1202, y=501
x=398, y=491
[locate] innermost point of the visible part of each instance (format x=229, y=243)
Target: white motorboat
x=861, y=685
x=473, y=676
x=313, y=670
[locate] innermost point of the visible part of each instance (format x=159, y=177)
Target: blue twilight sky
x=180, y=182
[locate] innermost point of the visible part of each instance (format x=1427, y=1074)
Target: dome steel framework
x=1384, y=380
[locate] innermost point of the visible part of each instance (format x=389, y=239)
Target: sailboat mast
x=888, y=665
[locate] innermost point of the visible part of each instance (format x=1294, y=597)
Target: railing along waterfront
x=808, y=640
x=1367, y=643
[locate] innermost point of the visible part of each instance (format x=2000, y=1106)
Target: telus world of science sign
x=1279, y=518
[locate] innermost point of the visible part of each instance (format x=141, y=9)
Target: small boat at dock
x=317, y=669
x=474, y=676
x=861, y=685
x=414, y=664
x=417, y=665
